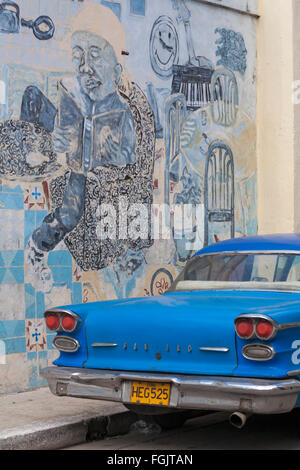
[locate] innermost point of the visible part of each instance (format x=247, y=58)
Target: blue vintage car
x=226, y=336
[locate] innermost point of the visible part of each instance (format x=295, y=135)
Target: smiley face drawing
x=163, y=47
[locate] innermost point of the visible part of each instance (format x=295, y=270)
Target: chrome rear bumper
x=187, y=391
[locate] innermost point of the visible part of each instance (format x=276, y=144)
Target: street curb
x=54, y=435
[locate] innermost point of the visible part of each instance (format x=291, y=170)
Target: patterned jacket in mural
x=93, y=123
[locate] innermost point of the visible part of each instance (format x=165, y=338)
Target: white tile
x=10, y=309
x=11, y=229
x=59, y=295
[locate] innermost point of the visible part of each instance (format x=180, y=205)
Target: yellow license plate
x=150, y=393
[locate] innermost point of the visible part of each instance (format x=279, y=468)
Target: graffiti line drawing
x=191, y=191
x=43, y=27
x=106, y=184
x=97, y=131
x=26, y=151
x=164, y=45
x=232, y=50
x=161, y=281
x=175, y=115
x=192, y=79
x=219, y=188
x=157, y=98
x=214, y=90
x=225, y=97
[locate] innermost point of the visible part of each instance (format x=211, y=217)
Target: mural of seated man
x=94, y=127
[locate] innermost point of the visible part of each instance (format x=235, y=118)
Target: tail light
x=244, y=328
x=61, y=320
x=255, y=326
x=53, y=321
x=68, y=323
x=264, y=329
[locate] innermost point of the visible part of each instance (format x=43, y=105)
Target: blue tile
x=43, y=355
x=29, y=289
x=11, y=201
x=138, y=7
x=18, y=274
x=61, y=274
x=30, y=306
x=33, y=379
x=11, y=276
x=18, y=259
x=12, y=258
x=76, y=293
x=15, y=345
x=40, y=215
x=49, y=341
x=12, y=329
x=32, y=220
x=115, y=7
x=32, y=356
x=40, y=304
x=60, y=258
x=29, y=224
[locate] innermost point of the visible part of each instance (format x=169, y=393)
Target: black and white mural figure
x=95, y=132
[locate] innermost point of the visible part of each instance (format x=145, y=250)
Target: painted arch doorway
x=219, y=190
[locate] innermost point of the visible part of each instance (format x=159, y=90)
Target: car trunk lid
x=183, y=333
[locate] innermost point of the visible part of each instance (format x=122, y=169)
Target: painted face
x=95, y=63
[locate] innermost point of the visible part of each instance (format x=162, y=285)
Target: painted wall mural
x=131, y=104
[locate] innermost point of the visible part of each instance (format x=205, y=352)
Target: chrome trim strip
x=104, y=345
x=62, y=310
x=223, y=350
x=262, y=396
x=292, y=373
x=286, y=326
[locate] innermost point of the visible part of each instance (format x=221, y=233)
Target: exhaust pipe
x=238, y=419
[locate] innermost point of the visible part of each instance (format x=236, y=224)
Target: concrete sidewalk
x=39, y=420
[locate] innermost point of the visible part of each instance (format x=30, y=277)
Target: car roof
x=275, y=242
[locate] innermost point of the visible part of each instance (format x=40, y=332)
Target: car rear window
x=266, y=269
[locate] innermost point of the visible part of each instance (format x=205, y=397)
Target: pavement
x=39, y=420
